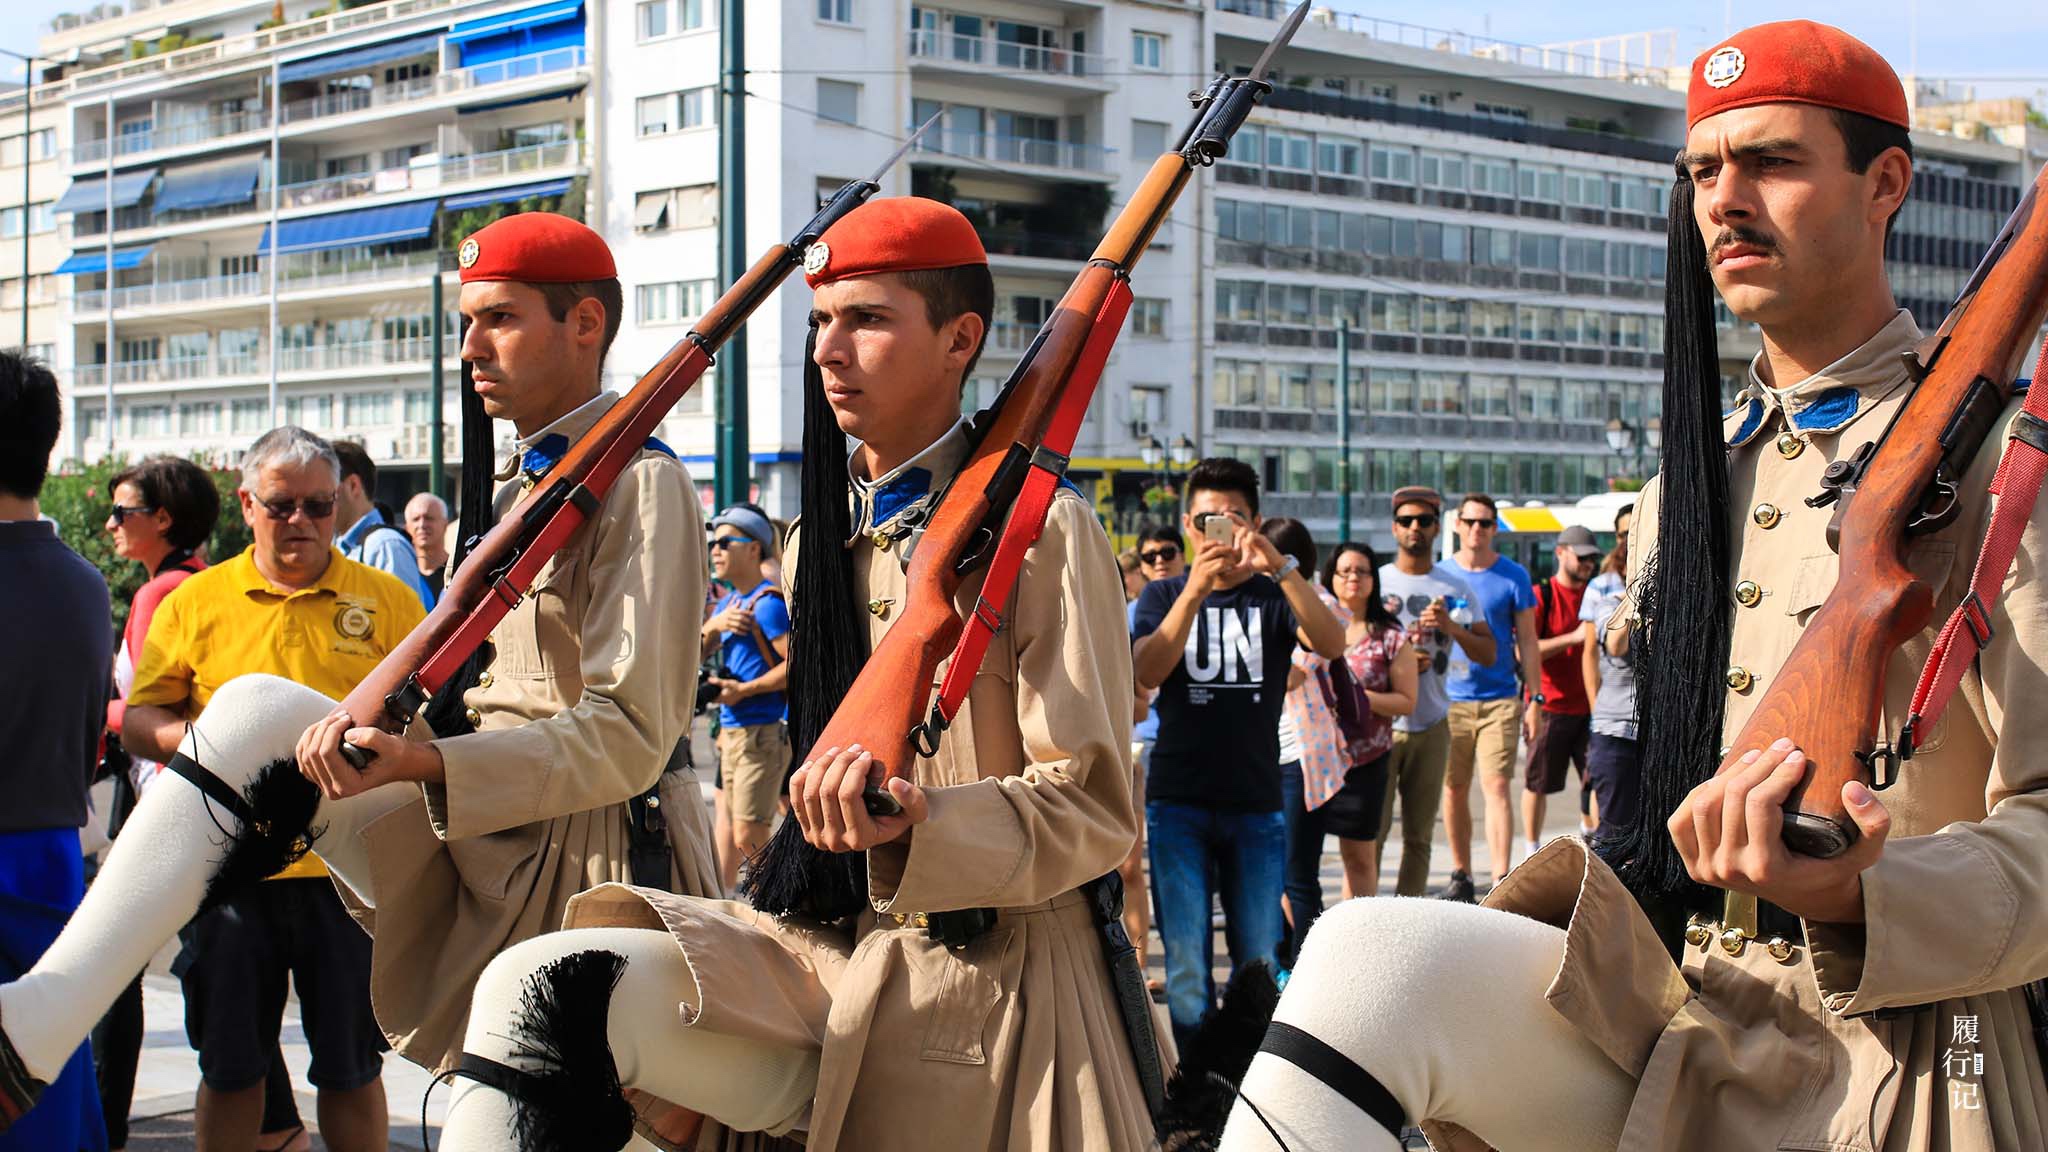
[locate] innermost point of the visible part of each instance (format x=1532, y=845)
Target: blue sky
x=2003, y=38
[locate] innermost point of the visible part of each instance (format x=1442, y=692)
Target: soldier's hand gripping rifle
x=994, y=508
x=1827, y=697
x=501, y=567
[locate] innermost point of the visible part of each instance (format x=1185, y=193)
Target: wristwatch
x=1538, y=698
x=1293, y=564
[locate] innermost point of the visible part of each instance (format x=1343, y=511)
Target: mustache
x=1737, y=234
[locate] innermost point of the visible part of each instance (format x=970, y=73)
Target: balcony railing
x=173, y=369
x=172, y=292
x=432, y=87
x=1004, y=55
x=1018, y=150
x=300, y=272
x=459, y=170
x=172, y=136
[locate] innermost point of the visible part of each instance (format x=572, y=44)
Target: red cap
x=1795, y=62
x=897, y=234
x=537, y=248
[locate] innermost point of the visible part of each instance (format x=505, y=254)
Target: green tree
x=80, y=499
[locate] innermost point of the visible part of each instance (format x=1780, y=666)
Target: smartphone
x=1221, y=529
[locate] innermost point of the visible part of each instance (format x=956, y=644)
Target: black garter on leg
x=1215, y=1060
x=273, y=824
x=572, y=1100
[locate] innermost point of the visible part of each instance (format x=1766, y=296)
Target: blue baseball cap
x=750, y=523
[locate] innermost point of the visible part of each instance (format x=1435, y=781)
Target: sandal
x=295, y=1140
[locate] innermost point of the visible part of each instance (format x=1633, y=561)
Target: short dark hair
x=1292, y=538
x=1479, y=498
x=1624, y=510
x=31, y=415
x=1866, y=138
x=180, y=487
x=1225, y=474
x=1163, y=534
x=950, y=293
x=356, y=462
x=608, y=294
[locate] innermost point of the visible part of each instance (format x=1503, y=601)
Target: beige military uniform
x=586, y=696
x=1901, y=1033
x=1014, y=1041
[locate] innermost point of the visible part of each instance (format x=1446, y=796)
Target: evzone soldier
x=967, y=1005
x=449, y=849
x=1869, y=1001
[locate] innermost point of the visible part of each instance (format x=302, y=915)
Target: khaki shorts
x=1485, y=735
x=752, y=762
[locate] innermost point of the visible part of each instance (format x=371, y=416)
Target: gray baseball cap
x=750, y=523
x=1579, y=540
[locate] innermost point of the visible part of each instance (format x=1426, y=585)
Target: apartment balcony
x=181, y=295
x=453, y=83
x=211, y=368
x=536, y=158
x=308, y=360
x=87, y=153
x=315, y=359
x=300, y=273
x=993, y=62
x=1016, y=154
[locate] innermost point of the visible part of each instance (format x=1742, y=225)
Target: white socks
x=746, y=1085
x=157, y=871
x=1443, y=1004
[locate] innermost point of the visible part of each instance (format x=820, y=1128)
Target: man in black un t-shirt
x=1218, y=643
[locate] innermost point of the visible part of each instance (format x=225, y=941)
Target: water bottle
x=1461, y=612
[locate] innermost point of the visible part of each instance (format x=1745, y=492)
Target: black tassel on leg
x=569, y=1098
x=1214, y=1061
x=272, y=826
x=789, y=877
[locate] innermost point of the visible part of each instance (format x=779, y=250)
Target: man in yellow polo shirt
x=292, y=606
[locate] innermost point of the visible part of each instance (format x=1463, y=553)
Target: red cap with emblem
x=536, y=248
x=1795, y=62
x=896, y=234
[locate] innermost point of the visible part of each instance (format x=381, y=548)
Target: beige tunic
x=586, y=697
x=1015, y=1041
x=1869, y=1037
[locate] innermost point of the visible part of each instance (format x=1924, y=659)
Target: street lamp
x=1183, y=453
x=1620, y=437
x=1152, y=452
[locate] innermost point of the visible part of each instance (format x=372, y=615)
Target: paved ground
x=170, y=1073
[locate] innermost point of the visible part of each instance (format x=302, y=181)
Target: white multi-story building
x=1487, y=220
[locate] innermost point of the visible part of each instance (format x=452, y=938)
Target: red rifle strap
x=1968, y=631
x=1027, y=516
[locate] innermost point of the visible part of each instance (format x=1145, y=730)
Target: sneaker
x=1459, y=889
x=18, y=1089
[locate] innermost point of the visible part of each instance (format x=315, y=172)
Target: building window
x=1386, y=92
x=675, y=302
x=248, y=417
x=839, y=101
x=653, y=19
x=365, y=410
x=673, y=111
x=1147, y=50
x=41, y=217
x=1396, y=165
x=1519, y=115
x=836, y=11
x=1148, y=317
x=1430, y=100
x=1148, y=139
x=663, y=209
x=10, y=221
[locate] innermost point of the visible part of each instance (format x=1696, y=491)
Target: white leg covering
x=1443, y=1004
x=746, y=1085
x=158, y=870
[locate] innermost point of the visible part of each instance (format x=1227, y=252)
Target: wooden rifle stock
x=1829, y=694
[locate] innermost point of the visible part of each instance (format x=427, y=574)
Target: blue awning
x=359, y=59
x=95, y=260
x=209, y=185
x=549, y=13
x=511, y=73
x=90, y=195
x=505, y=195
x=386, y=225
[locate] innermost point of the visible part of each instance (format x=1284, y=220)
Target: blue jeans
x=1304, y=862
x=1195, y=854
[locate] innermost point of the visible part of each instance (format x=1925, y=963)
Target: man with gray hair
x=426, y=522
x=291, y=605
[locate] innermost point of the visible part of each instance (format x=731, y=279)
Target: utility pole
x=731, y=471
x=1344, y=430
x=437, y=466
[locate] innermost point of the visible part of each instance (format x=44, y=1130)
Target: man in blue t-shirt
x=749, y=632
x=1218, y=643
x=1487, y=715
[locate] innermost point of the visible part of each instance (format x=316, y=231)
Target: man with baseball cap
x=1873, y=1000
x=1567, y=710
x=450, y=849
x=749, y=633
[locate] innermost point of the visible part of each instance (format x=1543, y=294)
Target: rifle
x=997, y=501
x=1829, y=693
x=501, y=567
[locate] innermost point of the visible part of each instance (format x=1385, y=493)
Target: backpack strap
x=1968, y=631
x=761, y=643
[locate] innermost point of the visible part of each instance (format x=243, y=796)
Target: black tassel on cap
x=272, y=829
x=1681, y=597
x=789, y=877
x=476, y=515
x=569, y=1097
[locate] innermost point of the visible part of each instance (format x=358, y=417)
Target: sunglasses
x=1160, y=556
x=1353, y=573
x=1482, y=522
x=721, y=543
x=120, y=512
x=1419, y=519
x=315, y=507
